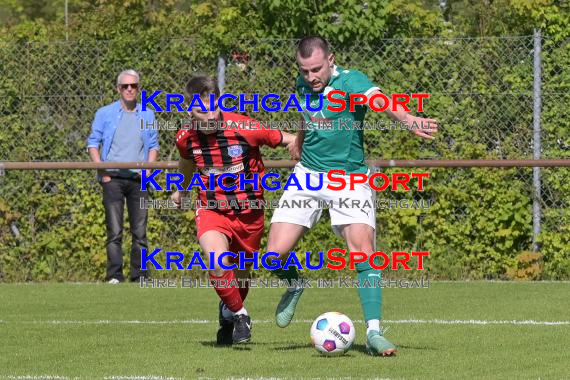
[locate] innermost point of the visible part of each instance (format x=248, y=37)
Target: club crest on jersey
x=235, y=150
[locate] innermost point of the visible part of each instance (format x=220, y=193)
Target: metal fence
x=496, y=98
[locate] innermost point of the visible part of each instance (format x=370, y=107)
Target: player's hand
x=177, y=196
x=422, y=127
x=293, y=149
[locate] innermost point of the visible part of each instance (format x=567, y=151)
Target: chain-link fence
x=482, y=90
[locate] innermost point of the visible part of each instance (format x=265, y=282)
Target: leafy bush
x=51, y=222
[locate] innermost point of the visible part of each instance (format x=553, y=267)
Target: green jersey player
x=322, y=150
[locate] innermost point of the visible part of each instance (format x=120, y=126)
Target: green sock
x=289, y=274
x=370, y=296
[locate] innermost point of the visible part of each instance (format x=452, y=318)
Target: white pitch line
x=136, y=377
x=38, y=377
x=56, y=377
x=477, y=322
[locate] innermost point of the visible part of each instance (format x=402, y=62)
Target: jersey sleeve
x=357, y=82
x=182, y=143
x=259, y=135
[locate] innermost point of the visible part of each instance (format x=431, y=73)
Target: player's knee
x=277, y=246
x=282, y=238
x=271, y=260
x=361, y=246
x=245, y=272
x=217, y=271
x=220, y=265
x=272, y=242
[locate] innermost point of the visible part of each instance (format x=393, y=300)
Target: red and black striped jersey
x=228, y=150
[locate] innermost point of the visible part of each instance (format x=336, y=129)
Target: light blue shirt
x=127, y=145
x=106, y=124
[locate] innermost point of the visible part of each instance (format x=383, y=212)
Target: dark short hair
x=201, y=85
x=308, y=45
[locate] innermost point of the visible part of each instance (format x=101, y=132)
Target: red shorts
x=243, y=231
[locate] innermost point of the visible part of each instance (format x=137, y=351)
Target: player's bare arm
x=294, y=142
x=288, y=138
x=187, y=168
x=427, y=127
x=295, y=147
x=291, y=142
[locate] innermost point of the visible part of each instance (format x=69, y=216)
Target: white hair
x=130, y=72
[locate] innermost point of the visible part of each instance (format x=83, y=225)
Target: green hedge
x=480, y=224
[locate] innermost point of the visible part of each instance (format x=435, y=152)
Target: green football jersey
x=341, y=146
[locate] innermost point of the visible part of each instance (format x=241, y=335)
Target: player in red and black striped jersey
x=228, y=150
x=206, y=149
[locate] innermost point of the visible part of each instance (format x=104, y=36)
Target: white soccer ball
x=332, y=333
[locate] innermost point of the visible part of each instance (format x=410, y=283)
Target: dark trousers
x=115, y=193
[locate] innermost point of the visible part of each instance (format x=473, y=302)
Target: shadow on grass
x=277, y=346
x=239, y=347
x=315, y=353
x=362, y=348
x=291, y=347
x=423, y=348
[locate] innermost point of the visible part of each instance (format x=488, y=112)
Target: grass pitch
x=461, y=330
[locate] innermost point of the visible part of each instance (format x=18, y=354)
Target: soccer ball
x=332, y=333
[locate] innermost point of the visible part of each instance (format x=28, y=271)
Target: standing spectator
x=117, y=131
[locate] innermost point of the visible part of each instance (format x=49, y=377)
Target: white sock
x=227, y=313
x=241, y=311
x=372, y=325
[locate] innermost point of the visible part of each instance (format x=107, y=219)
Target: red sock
x=244, y=291
x=230, y=295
